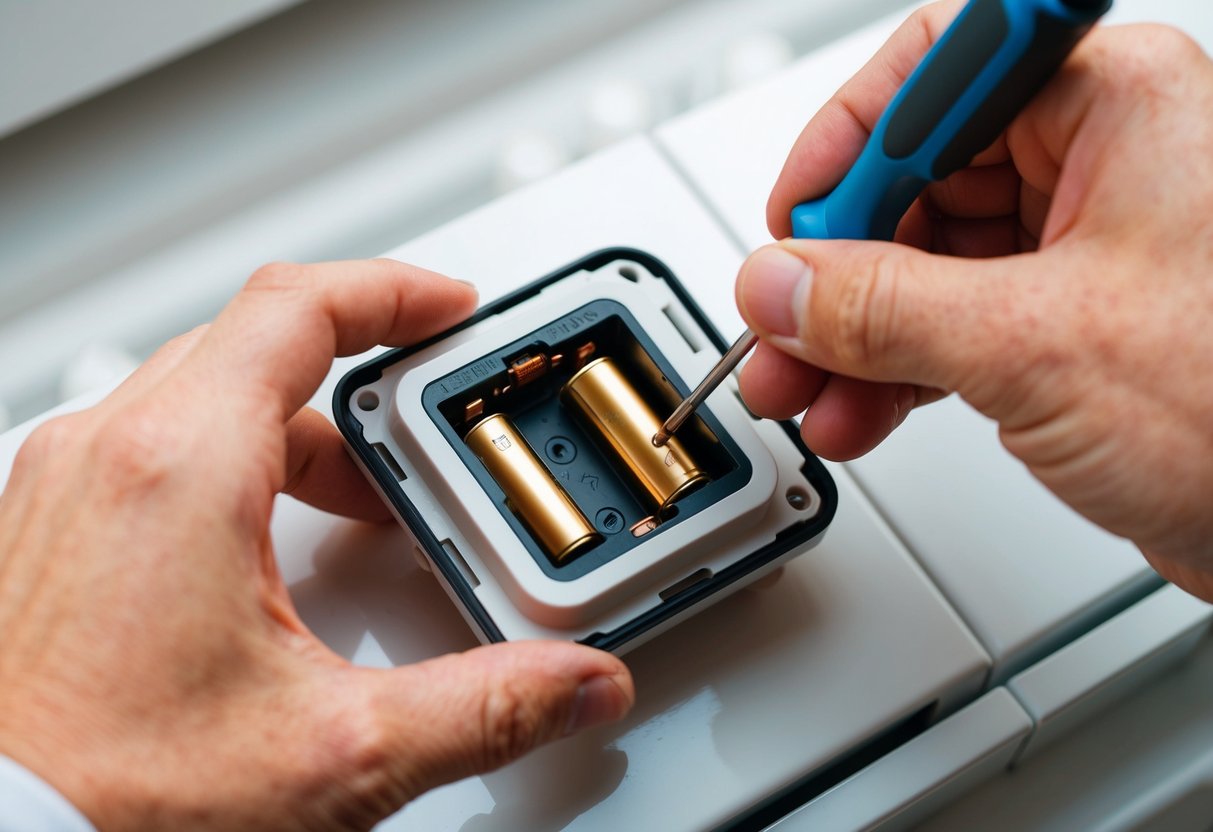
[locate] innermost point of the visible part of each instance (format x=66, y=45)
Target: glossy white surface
x=625, y=196
x=1026, y=573
x=765, y=687
x=1144, y=764
x=901, y=788
x=1108, y=663
x=742, y=699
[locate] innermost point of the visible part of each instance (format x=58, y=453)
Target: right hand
x=1062, y=285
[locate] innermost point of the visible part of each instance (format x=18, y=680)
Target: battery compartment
x=407, y=412
x=523, y=381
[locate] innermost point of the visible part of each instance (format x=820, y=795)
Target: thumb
x=886, y=312
x=470, y=713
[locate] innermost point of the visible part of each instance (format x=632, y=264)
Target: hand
x=152, y=667
x=1062, y=285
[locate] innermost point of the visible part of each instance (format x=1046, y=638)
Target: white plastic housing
x=523, y=601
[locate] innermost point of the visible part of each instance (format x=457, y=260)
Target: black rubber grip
x=1051, y=44
x=974, y=40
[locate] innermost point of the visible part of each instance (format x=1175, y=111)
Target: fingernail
x=775, y=289
x=599, y=701
x=464, y=282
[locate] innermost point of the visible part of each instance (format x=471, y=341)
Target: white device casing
x=522, y=601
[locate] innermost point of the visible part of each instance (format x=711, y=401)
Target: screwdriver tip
x=661, y=437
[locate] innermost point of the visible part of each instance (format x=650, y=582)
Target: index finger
x=833, y=139
x=277, y=338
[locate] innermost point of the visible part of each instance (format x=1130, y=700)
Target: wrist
x=27, y=801
x=56, y=752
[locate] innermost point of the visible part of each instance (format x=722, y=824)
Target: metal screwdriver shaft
x=711, y=381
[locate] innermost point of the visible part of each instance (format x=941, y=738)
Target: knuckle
x=136, y=449
x=1145, y=57
x=934, y=18
x=511, y=724
x=47, y=439
x=181, y=344
x=921, y=18
x=291, y=286
x=865, y=313
x=1168, y=45
x=276, y=277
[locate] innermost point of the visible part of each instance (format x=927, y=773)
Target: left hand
x=152, y=666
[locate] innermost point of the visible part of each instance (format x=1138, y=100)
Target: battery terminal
x=644, y=526
x=473, y=410
x=584, y=353
x=526, y=369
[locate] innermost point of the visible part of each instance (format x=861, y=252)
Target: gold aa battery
x=531, y=492
x=611, y=407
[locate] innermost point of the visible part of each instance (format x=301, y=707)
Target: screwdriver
x=964, y=93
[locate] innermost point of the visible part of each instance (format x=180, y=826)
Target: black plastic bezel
x=794, y=535
x=602, y=312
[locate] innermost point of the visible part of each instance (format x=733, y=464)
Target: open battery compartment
x=528, y=381
x=766, y=497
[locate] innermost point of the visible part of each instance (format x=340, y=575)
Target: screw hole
x=560, y=450
x=368, y=400
x=609, y=520
x=629, y=273
x=797, y=498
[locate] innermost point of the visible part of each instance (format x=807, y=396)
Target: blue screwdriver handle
x=990, y=62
